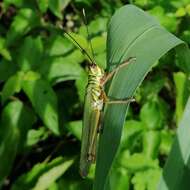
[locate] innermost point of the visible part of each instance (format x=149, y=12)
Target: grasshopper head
x=96, y=71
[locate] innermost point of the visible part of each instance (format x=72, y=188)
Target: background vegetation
x=43, y=79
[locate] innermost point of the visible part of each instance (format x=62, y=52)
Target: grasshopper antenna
x=80, y=47
x=88, y=35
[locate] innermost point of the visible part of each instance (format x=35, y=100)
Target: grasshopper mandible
x=95, y=98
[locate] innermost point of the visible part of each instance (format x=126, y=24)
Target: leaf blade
x=142, y=41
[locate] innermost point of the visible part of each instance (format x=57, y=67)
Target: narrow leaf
x=176, y=171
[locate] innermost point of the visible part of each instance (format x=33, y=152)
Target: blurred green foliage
x=43, y=82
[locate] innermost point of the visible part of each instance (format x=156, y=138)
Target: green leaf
x=176, y=171
x=57, y=69
x=43, y=99
x=167, y=19
x=119, y=180
x=14, y=2
x=36, y=135
x=151, y=143
x=182, y=58
x=43, y=175
x=131, y=33
x=182, y=92
x=152, y=114
x=3, y=50
x=7, y=69
x=43, y=5
x=30, y=53
x=166, y=141
x=131, y=132
x=19, y=3
x=75, y=127
x=23, y=22
x=137, y=162
x=146, y=180
x=151, y=88
x=57, y=6
x=11, y=86
x=16, y=119
x=52, y=175
x=57, y=45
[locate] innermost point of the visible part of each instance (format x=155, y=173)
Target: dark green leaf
x=3, y=50
x=12, y=85
x=176, y=171
x=23, y=22
x=131, y=132
x=15, y=121
x=7, y=69
x=43, y=5
x=182, y=93
x=42, y=175
x=58, y=46
x=43, y=99
x=57, y=69
x=57, y=6
x=131, y=33
x=30, y=53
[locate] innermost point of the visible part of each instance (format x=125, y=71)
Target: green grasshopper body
x=94, y=100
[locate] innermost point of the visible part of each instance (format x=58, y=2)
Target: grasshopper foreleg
x=108, y=76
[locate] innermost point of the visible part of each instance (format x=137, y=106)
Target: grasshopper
x=95, y=98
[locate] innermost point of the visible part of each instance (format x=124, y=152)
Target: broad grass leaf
x=176, y=171
x=43, y=99
x=131, y=33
